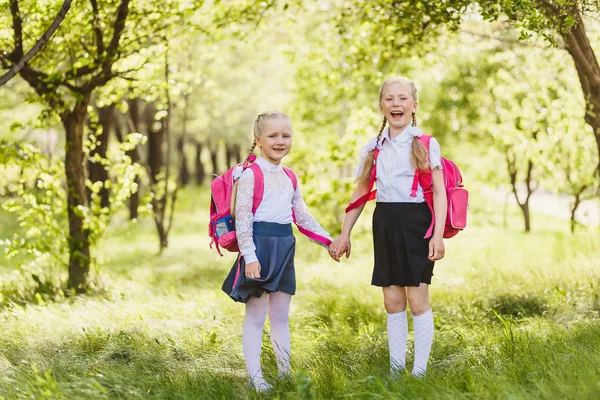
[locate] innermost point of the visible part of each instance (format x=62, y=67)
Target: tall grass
x=516, y=316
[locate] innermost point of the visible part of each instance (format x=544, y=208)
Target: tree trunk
x=156, y=138
x=79, y=245
x=576, y=204
x=184, y=171
x=135, y=123
x=162, y=236
x=526, y=216
x=155, y=144
x=214, y=153
x=578, y=45
x=97, y=171
x=200, y=171
x=168, y=198
x=237, y=153
x=134, y=154
x=232, y=154
x=511, y=161
x=134, y=200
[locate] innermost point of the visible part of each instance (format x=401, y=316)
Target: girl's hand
x=253, y=270
x=340, y=246
x=436, y=248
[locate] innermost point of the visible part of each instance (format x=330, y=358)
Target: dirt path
x=548, y=203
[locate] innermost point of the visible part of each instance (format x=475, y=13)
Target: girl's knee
x=394, y=299
x=279, y=306
x=394, y=305
x=256, y=309
x=279, y=315
x=418, y=299
x=419, y=306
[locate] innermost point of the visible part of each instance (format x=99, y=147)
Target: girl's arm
x=244, y=220
x=342, y=244
x=305, y=220
x=440, y=205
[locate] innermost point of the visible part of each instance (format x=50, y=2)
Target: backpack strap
x=425, y=139
x=371, y=194
x=259, y=186
x=419, y=178
x=292, y=177
x=212, y=233
x=311, y=235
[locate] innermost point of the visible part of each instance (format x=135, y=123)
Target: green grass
x=517, y=316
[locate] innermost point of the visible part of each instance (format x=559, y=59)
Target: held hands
x=339, y=246
x=253, y=270
x=436, y=248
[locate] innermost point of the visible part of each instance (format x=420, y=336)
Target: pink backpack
x=457, y=195
x=221, y=227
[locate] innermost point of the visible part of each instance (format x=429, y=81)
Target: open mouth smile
x=397, y=114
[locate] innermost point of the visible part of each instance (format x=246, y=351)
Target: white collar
x=268, y=166
x=405, y=136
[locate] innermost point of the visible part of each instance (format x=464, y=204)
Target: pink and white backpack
x=221, y=228
x=457, y=195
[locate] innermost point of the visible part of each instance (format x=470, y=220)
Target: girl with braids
x=263, y=277
x=403, y=258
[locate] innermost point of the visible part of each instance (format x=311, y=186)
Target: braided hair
x=259, y=124
x=418, y=155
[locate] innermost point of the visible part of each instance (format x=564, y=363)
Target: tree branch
x=43, y=78
x=512, y=172
x=515, y=42
x=97, y=29
x=17, y=23
x=530, y=189
x=576, y=40
x=105, y=73
x=37, y=81
x=37, y=46
x=119, y=26
x=4, y=59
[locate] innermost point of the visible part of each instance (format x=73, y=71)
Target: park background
x=111, y=133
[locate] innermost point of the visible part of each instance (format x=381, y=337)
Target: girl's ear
x=416, y=106
x=258, y=143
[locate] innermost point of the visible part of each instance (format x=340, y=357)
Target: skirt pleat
x=275, y=249
x=401, y=253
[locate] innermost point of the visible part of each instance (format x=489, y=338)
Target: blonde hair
x=259, y=125
x=418, y=154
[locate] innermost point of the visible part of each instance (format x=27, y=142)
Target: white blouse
x=279, y=199
x=394, y=170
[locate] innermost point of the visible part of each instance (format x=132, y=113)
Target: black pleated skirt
x=275, y=249
x=401, y=253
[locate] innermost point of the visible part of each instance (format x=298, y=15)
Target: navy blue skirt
x=275, y=249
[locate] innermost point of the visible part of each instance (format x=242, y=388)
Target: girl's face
x=275, y=140
x=397, y=105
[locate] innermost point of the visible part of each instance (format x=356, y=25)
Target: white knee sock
x=397, y=327
x=423, y=339
x=256, y=313
x=279, y=308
